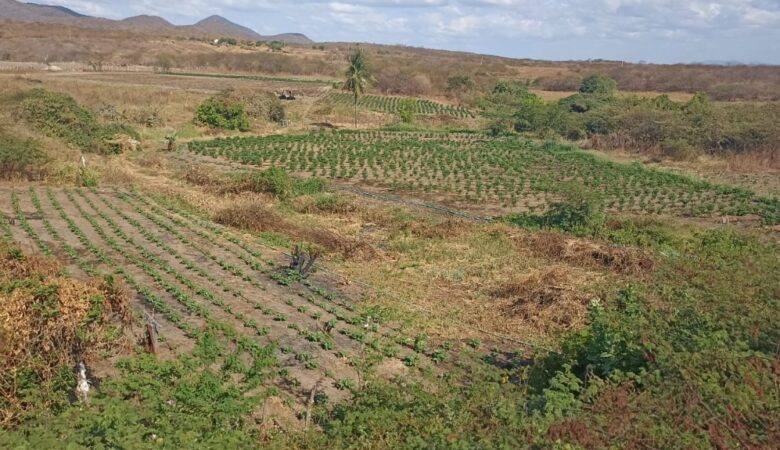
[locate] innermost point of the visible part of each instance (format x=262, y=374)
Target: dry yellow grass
x=557, y=95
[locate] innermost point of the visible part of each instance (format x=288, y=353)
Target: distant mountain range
x=214, y=26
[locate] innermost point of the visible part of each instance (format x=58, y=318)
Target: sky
x=660, y=31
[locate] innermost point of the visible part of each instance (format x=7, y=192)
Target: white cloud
x=569, y=26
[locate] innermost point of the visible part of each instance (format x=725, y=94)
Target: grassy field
x=471, y=289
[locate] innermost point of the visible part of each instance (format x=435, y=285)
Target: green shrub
x=227, y=41
x=406, y=108
x=59, y=115
x=18, y=157
x=222, y=112
x=308, y=186
x=599, y=85
x=578, y=212
x=88, y=177
x=274, y=181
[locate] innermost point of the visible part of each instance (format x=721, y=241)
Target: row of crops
x=392, y=105
x=512, y=172
x=206, y=281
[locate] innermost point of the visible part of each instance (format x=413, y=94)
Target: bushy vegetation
x=264, y=106
x=59, y=115
x=578, y=212
x=406, y=110
x=279, y=183
x=220, y=111
x=678, y=130
x=684, y=353
x=169, y=404
x=666, y=363
x=19, y=157
x=48, y=323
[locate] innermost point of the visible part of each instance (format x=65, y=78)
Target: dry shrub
x=548, y=297
x=255, y=217
x=447, y=229
x=623, y=260
x=198, y=175
x=252, y=217
x=48, y=323
x=749, y=162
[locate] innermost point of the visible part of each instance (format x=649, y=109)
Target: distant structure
x=287, y=94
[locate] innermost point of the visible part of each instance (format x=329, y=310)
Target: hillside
x=57, y=9
x=149, y=22
x=210, y=27
x=219, y=26
x=29, y=12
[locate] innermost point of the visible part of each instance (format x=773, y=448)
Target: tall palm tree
x=358, y=76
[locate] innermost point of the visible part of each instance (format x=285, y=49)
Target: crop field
x=199, y=280
x=514, y=173
x=390, y=104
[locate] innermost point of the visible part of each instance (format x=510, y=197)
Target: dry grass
x=547, y=298
x=581, y=252
x=557, y=95
x=257, y=218
x=49, y=322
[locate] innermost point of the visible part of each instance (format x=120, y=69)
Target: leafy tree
x=358, y=76
x=599, y=85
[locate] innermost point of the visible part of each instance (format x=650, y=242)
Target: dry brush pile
x=48, y=323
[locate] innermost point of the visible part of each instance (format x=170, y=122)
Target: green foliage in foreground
x=687, y=359
x=167, y=404
x=578, y=213
x=59, y=115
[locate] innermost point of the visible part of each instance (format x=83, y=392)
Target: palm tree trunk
x=356, y=110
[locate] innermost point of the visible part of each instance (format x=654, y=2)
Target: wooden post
x=310, y=404
x=151, y=339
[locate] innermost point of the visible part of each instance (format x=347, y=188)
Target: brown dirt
x=548, y=295
x=556, y=245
